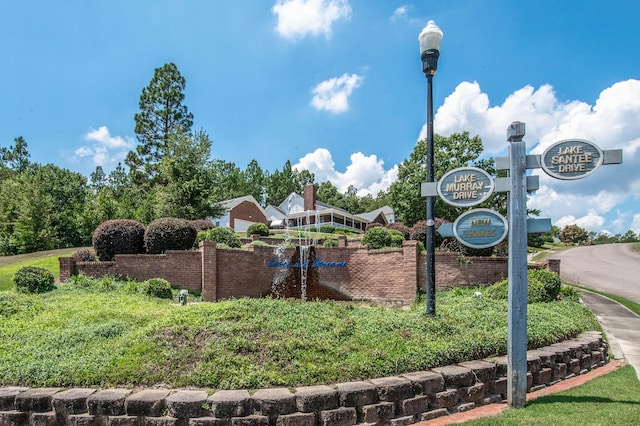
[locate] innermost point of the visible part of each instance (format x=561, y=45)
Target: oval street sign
x=480, y=228
x=465, y=186
x=572, y=159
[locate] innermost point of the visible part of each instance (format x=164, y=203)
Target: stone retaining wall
x=400, y=400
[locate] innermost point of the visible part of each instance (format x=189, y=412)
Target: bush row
x=126, y=236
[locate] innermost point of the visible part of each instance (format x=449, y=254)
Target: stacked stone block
x=398, y=400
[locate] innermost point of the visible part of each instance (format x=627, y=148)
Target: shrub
x=258, y=228
x=118, y=236
x=396, y=238
x=377, y=237
x=550, y=280
x=537, y=290
x=327, y=229
x=169, y=233
x=330, y=242
x=84, y=255
x=157, y=287
x=371, y=226
x=202, y=224
x=221, y=236
x=569, y=293
x=33, y=279
x=402, y=228
x=419, y=231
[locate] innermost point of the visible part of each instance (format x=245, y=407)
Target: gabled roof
x=370, y=216
x=228, y=205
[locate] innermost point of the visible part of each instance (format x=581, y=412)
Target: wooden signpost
x=468, y=186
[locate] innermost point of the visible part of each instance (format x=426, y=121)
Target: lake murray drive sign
x=465, y=186
x=480, y=228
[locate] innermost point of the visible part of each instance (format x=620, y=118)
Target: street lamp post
x=430, y=38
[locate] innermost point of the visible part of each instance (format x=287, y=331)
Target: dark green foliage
x=33, y=279
x=551, y=281
x=330, y=243
x=328, y=229
x=379, y=237
x=118, y=236
x=169, y=233
x=396, y=238
x=202, y=224
x=402, y=228
x=84, y=255
x=224, y=236
x=258, y=228
x=542, y=286
x=157, y=287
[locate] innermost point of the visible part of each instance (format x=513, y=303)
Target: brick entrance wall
x=344, y=273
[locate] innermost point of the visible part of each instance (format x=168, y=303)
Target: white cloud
x=365, y=172
x=299, y=18
x=635, y=224
x=400, y=13
x=100, y=151
x=333, y=95
x=612, y=123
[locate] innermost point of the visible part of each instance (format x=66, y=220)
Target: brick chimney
x=310, y=197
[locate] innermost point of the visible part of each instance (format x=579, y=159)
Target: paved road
x=615, y=269
x=612, y=268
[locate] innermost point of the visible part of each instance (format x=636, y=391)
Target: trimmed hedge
x=379, y=237
x=224, y=236
x=118, y=236
x=202, y=224
x=542, y=287
x=258, y=228
x=84, y=255
x=33, y=279
x=169, y=233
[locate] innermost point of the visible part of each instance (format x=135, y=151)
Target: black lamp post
x=430, y=38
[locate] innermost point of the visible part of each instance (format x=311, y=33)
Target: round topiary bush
x=169, y=233
x=118, y=236
x=371, y=226
x=33, y=279
x=224, y=236
x=157, y=287
x=258, y=228
x=396, y=238
x=536, y=292
x=377, y=237
x=84, y=255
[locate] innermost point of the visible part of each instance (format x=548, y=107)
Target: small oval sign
x=465, y=186
x=480, y=228
x=572, y=159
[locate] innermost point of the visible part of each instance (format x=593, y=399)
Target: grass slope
x=101, y=332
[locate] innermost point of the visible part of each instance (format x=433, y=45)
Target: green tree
x=574, y=234
x=281, y=183
x=226, y=180
x=42, y=210
x=161, y=114
x=253, y=181
x=457, y=150
x=185, y=169
x=14, y=159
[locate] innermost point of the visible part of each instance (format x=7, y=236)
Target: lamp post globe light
x=430, y=38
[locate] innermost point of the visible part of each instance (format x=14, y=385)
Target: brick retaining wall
x=398, y=400
x=391, y=275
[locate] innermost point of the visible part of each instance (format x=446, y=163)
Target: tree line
x=172, y=173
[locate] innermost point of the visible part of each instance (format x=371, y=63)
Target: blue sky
x=335, y=86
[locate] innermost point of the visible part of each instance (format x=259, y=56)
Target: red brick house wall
x=248, y=211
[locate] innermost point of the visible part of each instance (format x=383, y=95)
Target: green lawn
x=613, y=399
x=45, y=259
